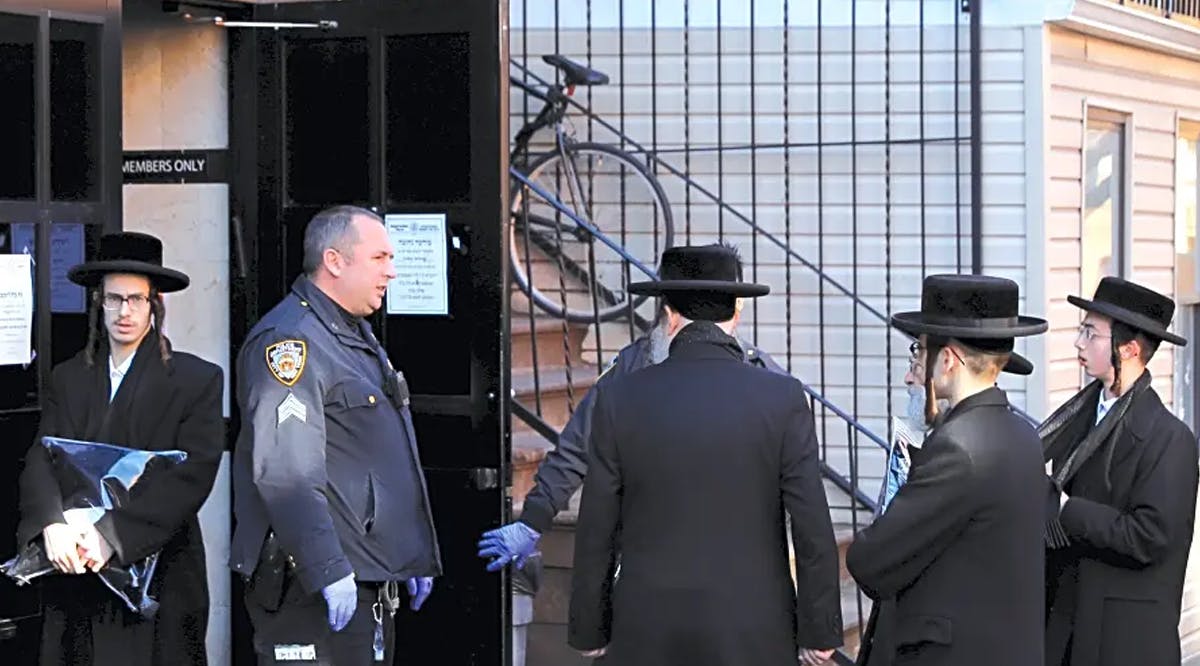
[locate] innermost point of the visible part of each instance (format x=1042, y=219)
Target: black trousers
x=298, y=631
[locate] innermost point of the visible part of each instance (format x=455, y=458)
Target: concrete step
x=558, y=396
x=574, y=292
x=528, y=450
x=546, y=335
x=547, y=646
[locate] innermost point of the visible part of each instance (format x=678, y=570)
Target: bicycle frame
x=552, y=113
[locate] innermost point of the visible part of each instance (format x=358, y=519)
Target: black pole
x=976, y=140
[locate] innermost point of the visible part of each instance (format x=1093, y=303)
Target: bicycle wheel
x=560, y=266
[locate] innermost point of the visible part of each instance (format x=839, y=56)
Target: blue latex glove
x=342, y=598
x=513, y=542
x=418, y=591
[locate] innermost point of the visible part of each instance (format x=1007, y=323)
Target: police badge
x=286, y=360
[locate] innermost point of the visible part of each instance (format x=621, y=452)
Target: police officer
x=329, y=496
x=565, y=466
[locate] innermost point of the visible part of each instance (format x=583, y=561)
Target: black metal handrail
x=619, y=249
x=583, y=224
x=543, y=428
x=534, y=421
x=690, y=182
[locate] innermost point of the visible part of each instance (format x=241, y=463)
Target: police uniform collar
x=327, y=311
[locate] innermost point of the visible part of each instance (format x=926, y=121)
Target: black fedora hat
x=1017, y=365
x=969, y=307
x=129, y=252
x=700, y=268
x=1134, y=305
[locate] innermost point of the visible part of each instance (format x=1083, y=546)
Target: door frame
x=257, y=133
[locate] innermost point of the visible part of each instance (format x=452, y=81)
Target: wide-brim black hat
x=1018, y=365
x=971, y=307
x=1134, y=305
x=129, y=252
x=703, y=268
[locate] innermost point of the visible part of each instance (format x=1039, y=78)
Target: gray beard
x=660, y=344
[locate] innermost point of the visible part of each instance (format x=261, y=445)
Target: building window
x=1187, y=280
x=1103, y=237
x=18, y=128
x=58, y=117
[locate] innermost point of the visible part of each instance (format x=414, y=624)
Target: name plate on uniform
x=422, y=282
x=295, y=653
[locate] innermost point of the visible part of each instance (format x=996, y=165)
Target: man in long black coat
x=1124, y=475
x=958, y=551
x=694, y=462
x=130, y=388
x=876, y=647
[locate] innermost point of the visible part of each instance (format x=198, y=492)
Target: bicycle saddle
x=576, y=74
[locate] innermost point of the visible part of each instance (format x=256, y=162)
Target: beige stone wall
x=175, y=97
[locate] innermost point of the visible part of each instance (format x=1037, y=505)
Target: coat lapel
x=1139, y=423
x=143, y=393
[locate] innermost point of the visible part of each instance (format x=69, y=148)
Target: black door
x=399, y=108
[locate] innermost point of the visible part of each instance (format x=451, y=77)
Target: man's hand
x=418, y=591
x=342, y=598
x=595, y=654
x=95, y=549
x=513, y=542
x=810, y=657
x=62, y=547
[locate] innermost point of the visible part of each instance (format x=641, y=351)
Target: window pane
x=17, y=90
x=328, y=123
x=18, y=384
x=67, y=248
x=70, y=243
x=1187, y=190
x=428, y=119
x=74, y=111
x=1103, y=203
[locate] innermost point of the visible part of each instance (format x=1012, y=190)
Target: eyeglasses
x=915, y=363
x=914, y=352
x=1089, y=333
x=113, y=302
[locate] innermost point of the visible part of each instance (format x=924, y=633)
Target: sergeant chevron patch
x=291, y=407
x=286, y=360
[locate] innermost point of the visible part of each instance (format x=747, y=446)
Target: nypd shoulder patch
x=286, y=359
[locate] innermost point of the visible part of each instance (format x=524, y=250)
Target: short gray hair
x=332, y=228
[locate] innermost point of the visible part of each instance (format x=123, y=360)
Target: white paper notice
x=421, y=285
x=16, y=309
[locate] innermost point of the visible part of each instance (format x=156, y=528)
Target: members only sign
x=174, y=166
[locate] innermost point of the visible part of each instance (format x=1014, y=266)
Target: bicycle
x=606, y=187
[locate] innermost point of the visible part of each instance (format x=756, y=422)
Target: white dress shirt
x=1102, y=407
x=116, y=374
